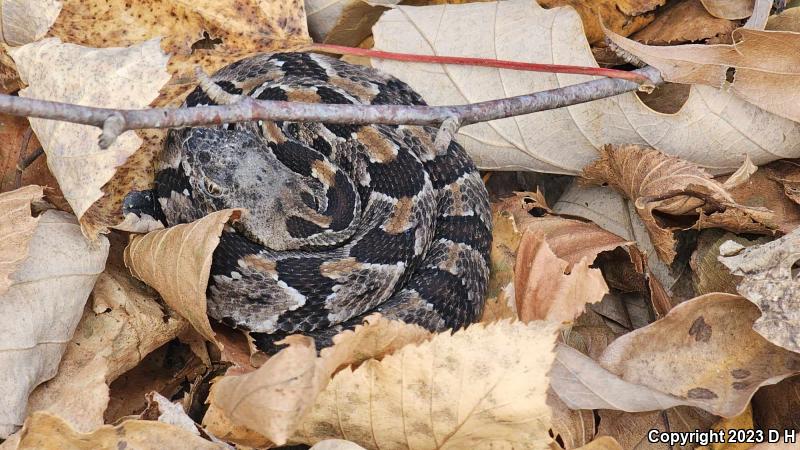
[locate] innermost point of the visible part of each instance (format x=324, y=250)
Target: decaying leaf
x=127, y=78
x=703, y=131
x=769, y=282
x=343, y=22
x=658, y=183
x=708, y=274
x=776, y=406
x=274, y=399
x=177, y=263
x=26, y=21
x=693, y=356
x=766, y=64
x=682, y=22
x=484, y=384
x=549, y=288
x=729, y=9
x=123, y=324
x=716, y=372
x=43, y=430
x=43, y=305
x=16, y=230
x=623, y=16
x=572, y=428
x=631, y=429
x=602, y=443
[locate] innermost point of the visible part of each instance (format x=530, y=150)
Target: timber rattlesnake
x=344, y=220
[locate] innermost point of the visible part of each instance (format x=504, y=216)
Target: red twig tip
x=498, y=63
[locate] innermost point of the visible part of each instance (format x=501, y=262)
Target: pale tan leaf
x=343, y=22
x=44, y=431
x=16, y=230
x=682, y=22
x=766, y=64
x=547, y=288
x=729, y=9
x=741, y=175
x=655, y=182
x=788, y=20
x=177, y=263
x=113, y=78
x=486, y=384
x=42, y=307
x=26, y=21
x=712, y=120
x=693, y=356
x=769, y=282
x=123, y=324
x=336, y=444
x=716, y=372
x=272, y=400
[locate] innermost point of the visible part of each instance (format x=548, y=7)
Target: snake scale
x=343, y=220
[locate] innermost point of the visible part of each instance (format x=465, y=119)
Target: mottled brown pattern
x=303, y=96
x=401, y=217
x=256, y=262
x=380, y=149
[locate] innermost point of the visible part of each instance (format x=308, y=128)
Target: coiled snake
x=344, y=220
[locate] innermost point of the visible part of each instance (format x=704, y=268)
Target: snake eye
x=211, y=187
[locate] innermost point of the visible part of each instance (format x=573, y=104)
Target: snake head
x=234, y=168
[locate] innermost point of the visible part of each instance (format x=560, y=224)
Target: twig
x=24, y=161
x=498, y=63
x=249, y=109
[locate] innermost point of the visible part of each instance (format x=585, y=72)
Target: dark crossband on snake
x=342, y=220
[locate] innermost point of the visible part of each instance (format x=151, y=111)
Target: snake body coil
x=343, y=220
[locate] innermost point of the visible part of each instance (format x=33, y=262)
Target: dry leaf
x=670, y=186
x=743, y=421
x=776, y=406
x=26, y=21
x=708, y=274
x=177, y=263
x=274, y=399
x=658, y=366
x=704, y=131
x=486, y=384
x=336, y=444
x=123, y=324
x=695, y=352
x=772, y=187
x=571, y=428
x=16, y=231
x=769, y=282
x=547, y=288
x=43, y=305
x=788, y=20
x=127, y=78
x=45, y=431
x=683, y=22
x=729, y=9
x=766, y=64
x=602, y=443
x=631, y=429
x=343, y=22
x=623, y=16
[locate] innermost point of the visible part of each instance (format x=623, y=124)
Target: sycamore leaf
x=771, y=284
x=26, y=21
x=177, y=263
x=43, y=430
x=671, y=186
x=485, y=384
x=127, y=78
x=703, y=131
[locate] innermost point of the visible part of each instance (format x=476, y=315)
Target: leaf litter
x=610, y=314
